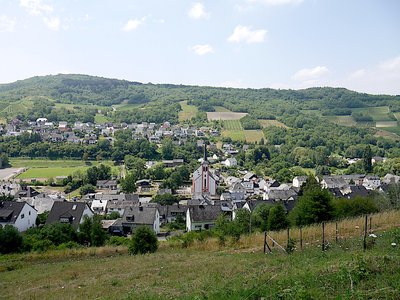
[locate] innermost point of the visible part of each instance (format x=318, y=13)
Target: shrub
x=10, y=239
x=118, y=241
x=144, y=240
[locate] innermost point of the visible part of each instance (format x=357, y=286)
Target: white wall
x=30, y=215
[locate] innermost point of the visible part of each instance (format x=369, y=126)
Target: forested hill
x=50, y=95
x=84, y=89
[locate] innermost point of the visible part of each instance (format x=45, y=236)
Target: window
x=29, y=212
x=22, y=216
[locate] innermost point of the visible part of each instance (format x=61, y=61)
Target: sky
x=232, y=43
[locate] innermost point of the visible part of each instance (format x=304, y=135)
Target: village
x=213, y=191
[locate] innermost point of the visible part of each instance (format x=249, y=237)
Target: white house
x=372, y=182
x=202, y=217
x=18, y=214
x=99, y=206
x=69, y=213
x=230, y=162
x=141, y=216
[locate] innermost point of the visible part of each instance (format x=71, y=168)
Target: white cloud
x=310, y=74
x=52, y=23
x=276, y=2
x=7, y=24
x=202, y=49
x=132, y=24
x=36, y=7
x=383, y=78
x=198, y=11
x=391, y=64
x=44, y=11
x=246, y=34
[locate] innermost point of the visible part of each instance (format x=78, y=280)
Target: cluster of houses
x=89, y=133
x=204, y=203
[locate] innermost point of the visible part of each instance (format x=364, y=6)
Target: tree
x=128, y=184
x=167, y=149
x=260, y=216
x=86, y=189
x=97, y=234
x=10, y=239
x=91, y=232
x=354, y=207
x=144, y=240
x=367, y=159
x=242, y=220
x=314, y=206
x=165, y=199
x=277, y=219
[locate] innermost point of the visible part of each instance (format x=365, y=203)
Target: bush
x=144, y=240
x=118, y=241
x=10, y=239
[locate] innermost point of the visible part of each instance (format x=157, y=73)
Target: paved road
x=6, y=174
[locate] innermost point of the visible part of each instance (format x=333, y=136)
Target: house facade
x=18, y=214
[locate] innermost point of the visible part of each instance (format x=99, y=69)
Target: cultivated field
x=381, y=124
x=269, y=123
x=250, y=136
x=209, y=270
x=232, y=125
x=225, y=115
x=188, y=111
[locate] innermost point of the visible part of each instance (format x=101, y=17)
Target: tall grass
x=351, y=228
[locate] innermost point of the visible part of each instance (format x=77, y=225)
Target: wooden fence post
x=365, y=232
x=336, y=233
x=301, y=238
x=323, y=236
x=265, y=241
x=288, y=237
x=370, y=224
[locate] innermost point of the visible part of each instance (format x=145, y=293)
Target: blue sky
x=238, y=43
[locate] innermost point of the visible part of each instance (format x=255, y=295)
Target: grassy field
x=343, y=120
x=232, y=125
x=250, y=136
x=43, y=168
x=234, y=271
x=101, y=119
x=397, y=115
x=188, y=111
x=225, y=116
x=395, y=130
x=269, y=123
x=234, y=130
x=221, y=109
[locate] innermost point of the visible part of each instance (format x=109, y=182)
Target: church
x=204, y=182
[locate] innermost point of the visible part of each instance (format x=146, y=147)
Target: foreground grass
x=207, y=270
x=223, y=274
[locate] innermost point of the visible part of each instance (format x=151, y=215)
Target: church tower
x=204, y=182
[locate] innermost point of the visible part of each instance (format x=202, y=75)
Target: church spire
x=205, y=152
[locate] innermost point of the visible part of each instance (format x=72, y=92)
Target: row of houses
x=89, y=133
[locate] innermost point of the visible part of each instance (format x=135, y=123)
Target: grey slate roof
x=71, y=210
x=204, y=213
x=141, y=215
x=10, y=210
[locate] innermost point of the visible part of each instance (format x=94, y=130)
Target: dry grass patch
x=188, y=111
x=225, y=116
x=269, y=123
